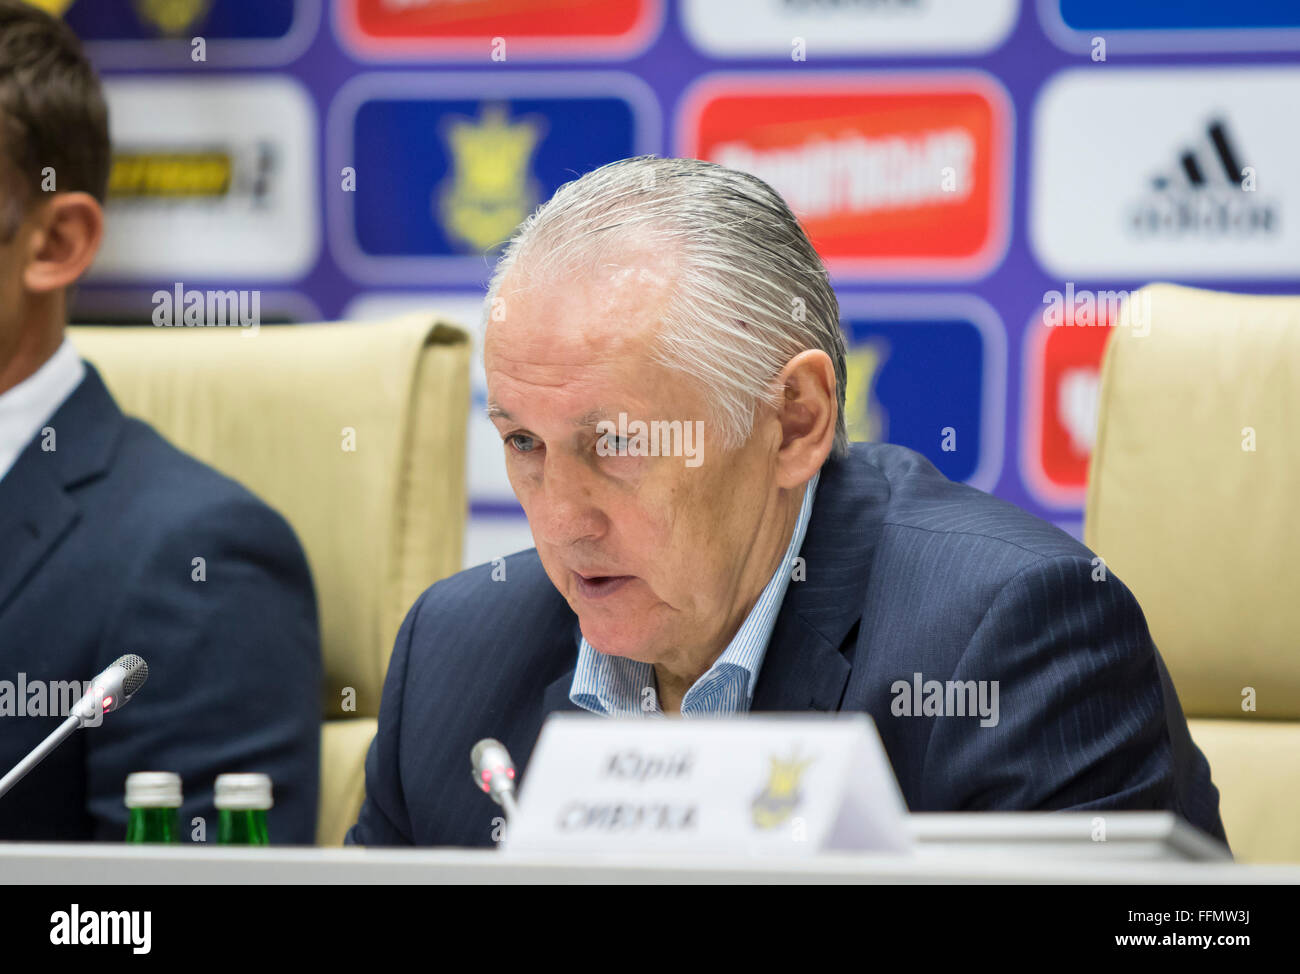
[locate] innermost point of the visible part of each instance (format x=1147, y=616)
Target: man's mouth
x=600, y=586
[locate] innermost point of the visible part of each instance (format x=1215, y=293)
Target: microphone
x=113, y=688
x=494, y=772
x=108, y=692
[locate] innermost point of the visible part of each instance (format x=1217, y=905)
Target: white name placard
x=754, y=785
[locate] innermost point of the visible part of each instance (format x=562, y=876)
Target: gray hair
x=750, y=294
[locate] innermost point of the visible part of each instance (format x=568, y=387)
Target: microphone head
x=120, y=682
x=137, y=671
x=492, y=769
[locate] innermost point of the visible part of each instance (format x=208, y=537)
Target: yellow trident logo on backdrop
x=169, y=16
x=55, y=7
x=864, y=417
x=172, y=17
x=490, y=190
x=780, y=797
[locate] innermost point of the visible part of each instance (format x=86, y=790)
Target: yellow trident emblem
x=780, y=797
x=52, y=7
x=172, y=17
x=863, y=415
x=490, y=191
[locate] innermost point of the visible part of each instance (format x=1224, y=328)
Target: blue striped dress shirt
x=615, y=686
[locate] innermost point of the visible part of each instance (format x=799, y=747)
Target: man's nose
x=566, y=510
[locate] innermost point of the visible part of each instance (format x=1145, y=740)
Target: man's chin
x=609, y=642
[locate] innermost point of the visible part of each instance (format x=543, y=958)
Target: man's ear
x=808, y=413
x=64, y=241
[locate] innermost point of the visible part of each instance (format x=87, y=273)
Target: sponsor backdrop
x=985, y=178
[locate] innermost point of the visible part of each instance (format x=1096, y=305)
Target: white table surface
x=967, y=848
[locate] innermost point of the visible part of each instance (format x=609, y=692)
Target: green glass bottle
x=154, y=800
x=242, y=801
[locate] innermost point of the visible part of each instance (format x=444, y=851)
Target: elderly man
x=769, y=567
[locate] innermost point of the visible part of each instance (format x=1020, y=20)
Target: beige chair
x=1194, y=501
x=356, y=434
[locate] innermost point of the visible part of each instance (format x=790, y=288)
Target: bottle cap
x=153, y=789
x=243, y=791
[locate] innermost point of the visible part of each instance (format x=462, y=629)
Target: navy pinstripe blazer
x=907, y=572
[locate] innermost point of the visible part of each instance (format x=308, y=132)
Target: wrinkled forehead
x=589, y=312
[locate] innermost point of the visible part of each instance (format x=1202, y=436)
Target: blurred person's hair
x=749, y=294
x=52, y=113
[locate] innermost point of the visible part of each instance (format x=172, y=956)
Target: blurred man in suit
x=762, y=563
x=103, y=523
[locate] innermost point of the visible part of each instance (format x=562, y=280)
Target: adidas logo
x=1198, y=169
x=1208, y=193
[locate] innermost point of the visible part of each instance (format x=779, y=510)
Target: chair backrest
x=1192, y=501
x=356, y=434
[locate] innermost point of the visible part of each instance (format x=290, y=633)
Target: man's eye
x=611, y=445
x=522, y=442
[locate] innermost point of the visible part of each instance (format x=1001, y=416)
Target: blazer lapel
x=805, y=667
x=36, y=505
x=35, y=514
x=556, y=696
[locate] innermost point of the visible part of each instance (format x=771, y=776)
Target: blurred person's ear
x=63, y=241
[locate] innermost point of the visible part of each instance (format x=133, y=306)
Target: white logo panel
x=771, y=28
x=1183, y=173
x=213, y=180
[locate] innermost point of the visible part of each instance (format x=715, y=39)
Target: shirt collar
x=615, y=686
x=25, y=407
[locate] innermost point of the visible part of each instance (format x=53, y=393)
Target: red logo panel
x=556, y=28
x=1062, y=379
x=889, y=174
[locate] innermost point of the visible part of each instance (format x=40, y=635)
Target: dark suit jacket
x=907, y=573
x=97, y=541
